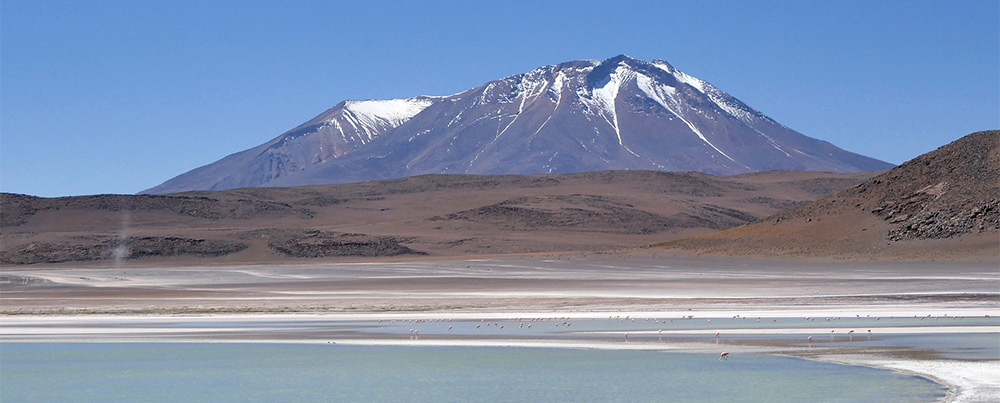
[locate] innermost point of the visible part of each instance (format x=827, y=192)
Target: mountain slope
x=944, y=202
x=620, y=113
x=334, y=133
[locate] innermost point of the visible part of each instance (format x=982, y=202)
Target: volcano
x=579, y=116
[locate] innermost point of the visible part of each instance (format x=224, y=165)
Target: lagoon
x=275, y=372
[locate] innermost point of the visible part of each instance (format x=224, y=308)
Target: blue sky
x=119, y=96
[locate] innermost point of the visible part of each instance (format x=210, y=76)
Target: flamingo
x=724, y=356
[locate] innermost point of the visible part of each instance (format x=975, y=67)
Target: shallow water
x=151, y=372
x=971, y=345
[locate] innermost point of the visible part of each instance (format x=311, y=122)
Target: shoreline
x=966, y=380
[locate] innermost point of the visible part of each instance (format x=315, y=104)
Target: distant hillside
x=943, y=203
x=435, y=215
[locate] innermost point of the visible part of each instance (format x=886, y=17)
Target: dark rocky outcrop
x=109, y=248
x=312, y=243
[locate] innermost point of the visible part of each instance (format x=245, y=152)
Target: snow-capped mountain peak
x=585, y=115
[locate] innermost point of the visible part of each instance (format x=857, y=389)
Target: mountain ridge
x=577, y=116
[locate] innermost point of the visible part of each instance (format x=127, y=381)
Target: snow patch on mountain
x=659, y=93
x=604, y=95
x=392, y=112
x=692, y=81
x=719, y=98
x=664, y=95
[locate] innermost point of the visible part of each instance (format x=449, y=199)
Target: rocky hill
x=945, y=202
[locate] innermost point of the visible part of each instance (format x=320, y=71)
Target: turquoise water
x=221, y=372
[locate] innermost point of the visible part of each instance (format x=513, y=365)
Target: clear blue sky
x=119, y=96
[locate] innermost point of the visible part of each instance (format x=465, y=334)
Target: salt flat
x=522, y=284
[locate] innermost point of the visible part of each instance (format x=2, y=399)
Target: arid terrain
x=567, y=284
x=428, y=216
x=941, y=205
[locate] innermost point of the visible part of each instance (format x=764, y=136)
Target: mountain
x=616, y=114
x=945, y=203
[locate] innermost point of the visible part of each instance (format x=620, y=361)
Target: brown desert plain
x=877, y=251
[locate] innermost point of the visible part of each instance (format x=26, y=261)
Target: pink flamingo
x=724, y=356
